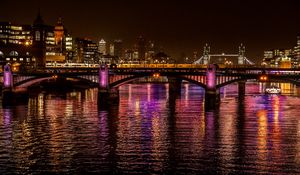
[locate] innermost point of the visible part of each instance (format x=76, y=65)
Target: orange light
x=263, y=78
x=156, y=75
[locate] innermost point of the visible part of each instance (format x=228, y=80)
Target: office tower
x=102, y=47
x=118, y=49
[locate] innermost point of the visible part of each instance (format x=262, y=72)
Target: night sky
x=178, y=26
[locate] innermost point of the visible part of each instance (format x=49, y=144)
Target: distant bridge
x=206, y=58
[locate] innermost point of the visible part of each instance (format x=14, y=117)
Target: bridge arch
x=38, y=79
x=135, y=77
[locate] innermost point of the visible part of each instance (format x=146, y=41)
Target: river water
x=150, y=132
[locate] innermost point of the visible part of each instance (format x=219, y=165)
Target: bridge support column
x=212, y=94
x=174, y=87
x=9, y=95
x=7, y=90
x=241, y=89
x=212, y=99
x=106, y=95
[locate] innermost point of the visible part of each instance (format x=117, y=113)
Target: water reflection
x=152, y=131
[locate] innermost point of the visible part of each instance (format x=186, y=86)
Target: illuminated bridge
x=108, y=79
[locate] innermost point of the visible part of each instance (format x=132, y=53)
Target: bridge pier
x=7, y=90
x=241, y=89
x=9, y=95
x=212, y=94
x=106, y=95
x=212, y=99
x=174, y=87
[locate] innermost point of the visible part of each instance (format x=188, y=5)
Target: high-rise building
x=68, y=40
x=102, y=47
x=111, y=49
x=118, y=49
x=296, y=57
x=151, y=51
x=141, y=47
x=87, y=51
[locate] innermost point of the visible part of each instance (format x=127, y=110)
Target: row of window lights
x=20, y=59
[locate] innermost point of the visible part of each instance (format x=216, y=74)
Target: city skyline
x=180, y=27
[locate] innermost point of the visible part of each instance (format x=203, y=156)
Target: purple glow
x=103, y=76
x=7, y=78
x=211, y=77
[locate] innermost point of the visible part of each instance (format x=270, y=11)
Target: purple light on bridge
x=7, y=78
x=211, y=77
x=103, y=76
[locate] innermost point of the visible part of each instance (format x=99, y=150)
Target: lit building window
x=13, y=53
x=37, y=35
x=7, y=59
x=21, y=59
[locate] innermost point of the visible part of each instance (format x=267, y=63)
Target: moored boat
x=272, y=90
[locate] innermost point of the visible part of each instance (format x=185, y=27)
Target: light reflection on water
x=152, y=131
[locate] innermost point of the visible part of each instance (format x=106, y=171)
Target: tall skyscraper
x=141, y=47
x=102, y=47
x=118, y=48
x=111, y=49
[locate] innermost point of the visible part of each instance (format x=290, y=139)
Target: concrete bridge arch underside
x=24, y=82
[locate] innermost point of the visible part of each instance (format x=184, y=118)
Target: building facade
x=118, y=49
x=15, y=34
x=86, y=51
x=102, y=47
x=278, y=58
x=296, y=53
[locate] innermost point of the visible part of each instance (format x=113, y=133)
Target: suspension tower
x=241, y=55
x=206, y=57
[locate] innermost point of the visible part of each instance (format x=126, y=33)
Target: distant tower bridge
x=206, y=58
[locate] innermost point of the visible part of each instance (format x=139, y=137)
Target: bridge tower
x=206, y=51
x=241, y=55
x=212, y=94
